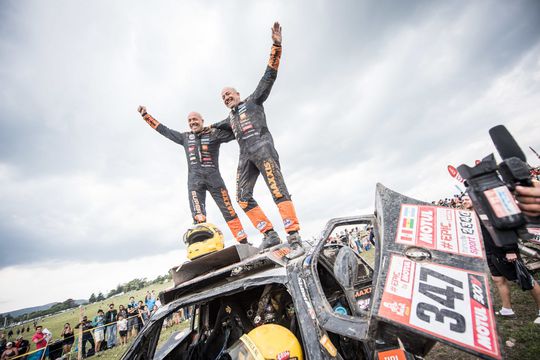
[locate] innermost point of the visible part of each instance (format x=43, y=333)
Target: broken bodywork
x=427, y=284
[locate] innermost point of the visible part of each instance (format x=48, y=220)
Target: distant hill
x=29, y=310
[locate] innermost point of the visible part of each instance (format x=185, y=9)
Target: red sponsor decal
x=406, y=272
x=406, y=235
x=454, y=173
x=484, y=337
x=452, y=170
x=286, y=355
x=396, y=354
x=426, y=224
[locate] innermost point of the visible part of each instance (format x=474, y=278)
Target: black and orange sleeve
x=150, y=120
x=163, y=130
x=262, y=91
x=275, y=56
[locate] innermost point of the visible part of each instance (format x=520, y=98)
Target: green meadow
x=55, y=323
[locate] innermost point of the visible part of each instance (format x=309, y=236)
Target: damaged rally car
x=427, y=283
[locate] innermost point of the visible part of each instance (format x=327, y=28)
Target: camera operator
x=501, y=266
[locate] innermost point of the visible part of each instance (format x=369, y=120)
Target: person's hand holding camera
x=529, y=199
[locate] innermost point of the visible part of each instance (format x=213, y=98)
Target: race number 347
x=439, y=303
x=446, y=302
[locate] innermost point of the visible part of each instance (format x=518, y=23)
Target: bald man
x=258, y=155
x=202, y=154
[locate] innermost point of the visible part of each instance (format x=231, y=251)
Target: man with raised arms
x=202, y=153
x=258, y=155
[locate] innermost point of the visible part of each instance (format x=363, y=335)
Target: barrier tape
x=75, y=338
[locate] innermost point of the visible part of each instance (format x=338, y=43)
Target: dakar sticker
x=445, y=302
x=440, y=228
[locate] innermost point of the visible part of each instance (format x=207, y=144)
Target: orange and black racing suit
x=257, y=153
x=202, y=153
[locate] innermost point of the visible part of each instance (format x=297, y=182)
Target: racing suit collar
x=235, y=109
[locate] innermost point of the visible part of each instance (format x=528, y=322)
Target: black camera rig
x=491, y=188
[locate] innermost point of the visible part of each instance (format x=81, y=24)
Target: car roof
x=196, y=277
x=276, y=275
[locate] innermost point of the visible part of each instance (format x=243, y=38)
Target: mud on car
x=427, y=282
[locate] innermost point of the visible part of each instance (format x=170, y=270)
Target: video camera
x=491, y=187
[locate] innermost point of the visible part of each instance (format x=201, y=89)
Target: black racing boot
x=245, y=242
x=295, y=242
x=271, y=238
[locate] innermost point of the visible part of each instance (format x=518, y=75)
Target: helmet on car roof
x=203, y=239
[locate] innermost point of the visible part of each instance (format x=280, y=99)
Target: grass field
x=118, y=351
x=55, y=323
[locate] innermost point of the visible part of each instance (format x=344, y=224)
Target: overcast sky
x=367, y=92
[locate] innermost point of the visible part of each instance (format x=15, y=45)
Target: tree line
x=135, y=284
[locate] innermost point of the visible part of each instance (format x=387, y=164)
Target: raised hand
x=276, y=33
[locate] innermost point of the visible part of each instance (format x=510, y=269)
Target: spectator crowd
x=107, y=329
x=357, y=238
x=454, y=202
